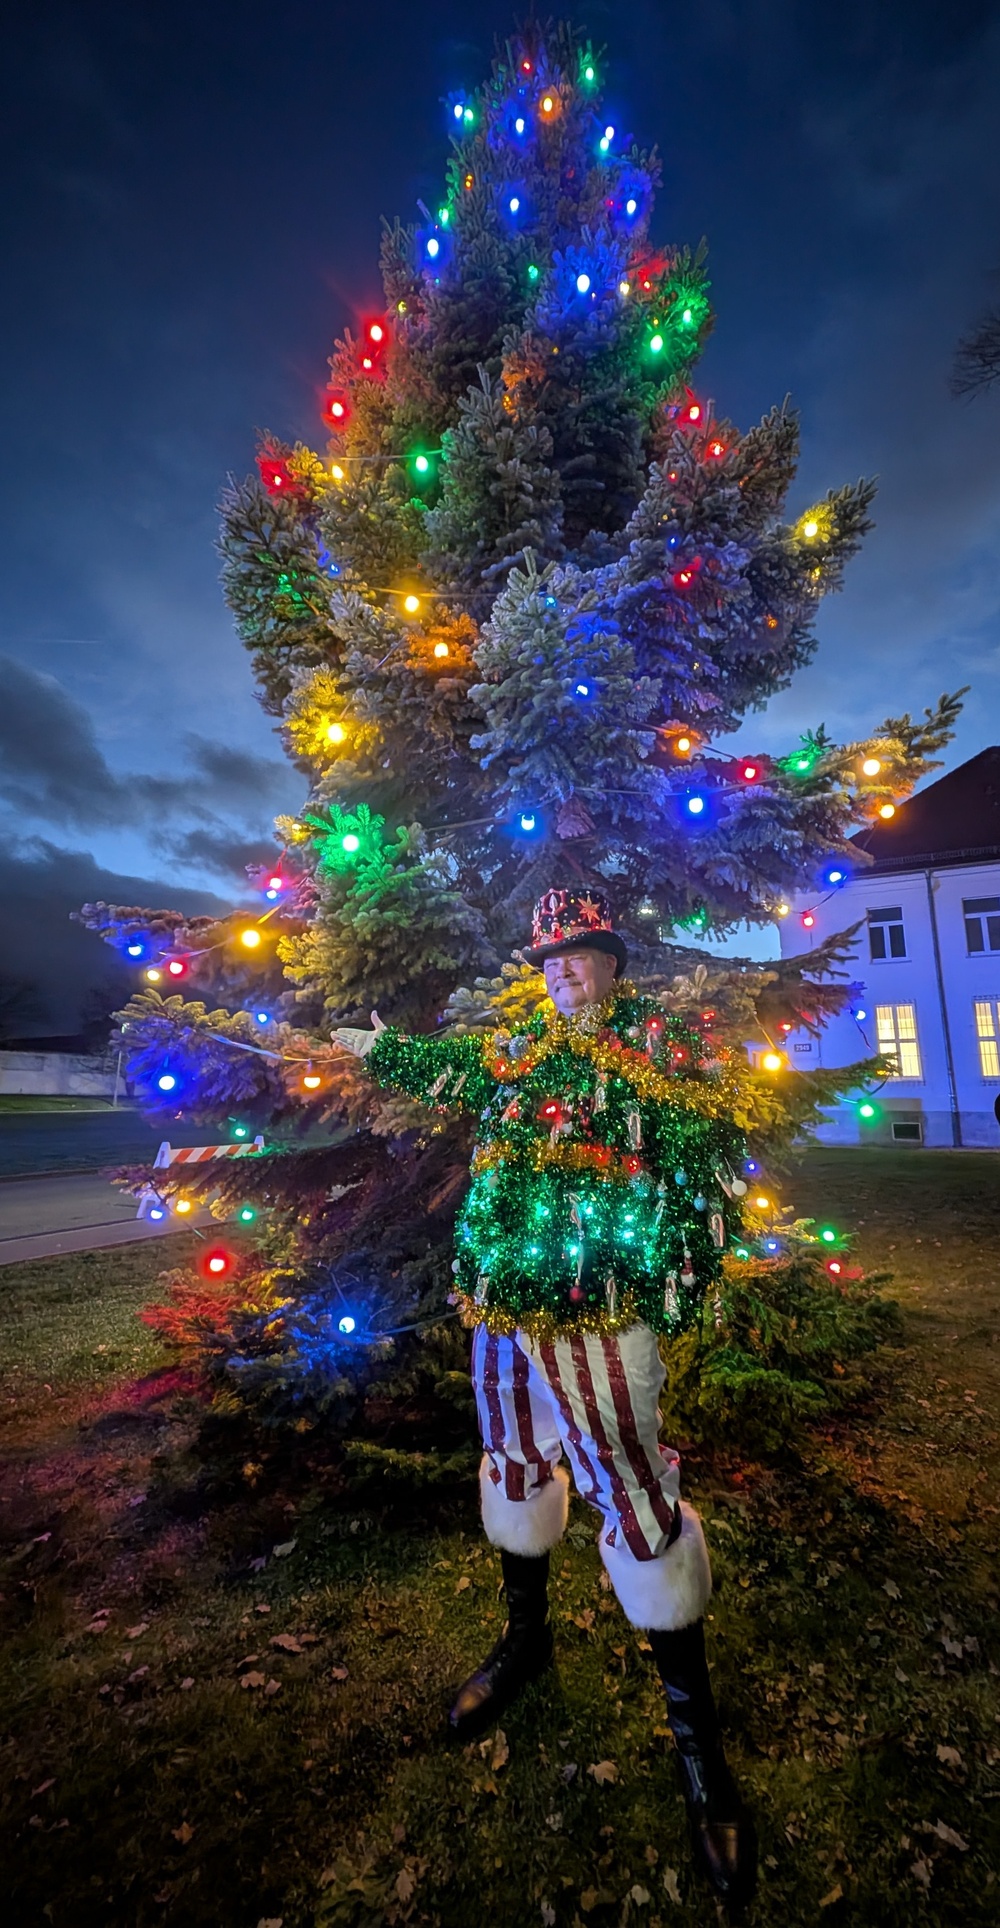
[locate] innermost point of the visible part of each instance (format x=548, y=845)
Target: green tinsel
x=592, y=1203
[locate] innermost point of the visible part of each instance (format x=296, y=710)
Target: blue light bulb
x=527, y=820
x=433, y=247
x=263, y=1017
x=631, y=205
x=134, y=950
x=167, y=1081
x=583, y=689
x=347, y=1324
x=519, y=126
x=694, y=806
x=513, y=204
x=582, y=283
x=457, y=110
x=156, y=1211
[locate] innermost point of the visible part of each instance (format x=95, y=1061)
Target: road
x=72, y=1212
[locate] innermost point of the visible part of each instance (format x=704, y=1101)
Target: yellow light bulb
x=251, y=938
x=871, y=766
x=810, y=528
x=182, y=1205
x=782, y=910
x=441, y=649
x=683, y=745
x=336, y=471
x=411, y=604
x=335, y=733
x=771, y=1061
x=761, y=1202
x=312, y=1080
x=887, y=810
x=547, y=104
x=623, y=287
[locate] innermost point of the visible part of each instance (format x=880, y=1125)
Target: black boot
x=724, y=1837
x=523, y=1651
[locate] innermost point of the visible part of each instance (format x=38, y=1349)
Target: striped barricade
x=168, y=1154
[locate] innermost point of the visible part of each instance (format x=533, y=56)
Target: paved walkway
x=72, y=1212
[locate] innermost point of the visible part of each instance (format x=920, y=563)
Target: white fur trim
x=528, y=1526
x=669, y=1592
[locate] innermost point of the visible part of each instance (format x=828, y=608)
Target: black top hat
x=573, y=920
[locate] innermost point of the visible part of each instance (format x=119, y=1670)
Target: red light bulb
x=177, y=967
x=217, y=1262
x=376, y=332
x=749, y=772
x=275, y=883
x=367, y=362
x=808, y=919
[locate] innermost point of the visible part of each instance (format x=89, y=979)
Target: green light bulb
x=656, y=344
x=532, y=273
x=828, y=1235
x=248, y=1214
x=351, y=842
x=444, y=216
x=421, y=464
x=866, y=1111
x=687, y=317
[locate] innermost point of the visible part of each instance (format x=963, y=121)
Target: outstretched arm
x=439, y=1071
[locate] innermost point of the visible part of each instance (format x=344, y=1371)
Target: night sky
x=191, y=215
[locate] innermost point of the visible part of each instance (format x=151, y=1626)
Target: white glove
x=360, y=1042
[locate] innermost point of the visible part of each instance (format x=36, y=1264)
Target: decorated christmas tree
x=506, y=620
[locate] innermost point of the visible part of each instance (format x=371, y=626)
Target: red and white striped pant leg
x=523, y=1489
x=606, y=1390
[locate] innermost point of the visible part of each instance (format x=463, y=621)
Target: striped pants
x=594, y=1399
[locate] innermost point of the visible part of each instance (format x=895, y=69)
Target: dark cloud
x=40, y=884
x=52, y=767
x=221, y=852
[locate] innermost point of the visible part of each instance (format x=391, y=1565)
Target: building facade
x=925, y=895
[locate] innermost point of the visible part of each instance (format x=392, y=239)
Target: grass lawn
x=224, y=1687
x=16, y=1102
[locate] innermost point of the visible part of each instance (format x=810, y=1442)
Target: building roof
x=954, y=821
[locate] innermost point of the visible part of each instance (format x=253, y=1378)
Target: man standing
x=606, y=1167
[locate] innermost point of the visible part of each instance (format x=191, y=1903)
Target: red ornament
x=576, y=1293
x=631, y=1163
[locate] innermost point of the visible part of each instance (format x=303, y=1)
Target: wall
x=55, y=1074
x=908, y=980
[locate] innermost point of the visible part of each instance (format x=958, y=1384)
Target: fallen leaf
x=905, y=1678
x=139, y=1674
x=252, y=1679
x=588, y=1899
x=183, y=1834
x=262, y=1607
x=554, y=1821
x=948, y=1756
x=247, y=1660
x=501, y=1752
x=338, y=1673
x=40, y=1539
x=670, y=1884
x=271, y=1921
x=287, y=1642
x=639, y=1895
x=584, y=1620
x=835, y=1894
x=955, y=1648
x=273, y=1687
x=463, y=1583
x=890, y=1587
x=99, y=1624
x=287, y=1546
x=940, y=1828
x=548, y=1915
x=133, y=1633
x=187, y=1682
x=257, y=1566
x=404, y=1885
x=43, y=1787
x=921, y=1871
x=568, y=1772
x=603, y=1771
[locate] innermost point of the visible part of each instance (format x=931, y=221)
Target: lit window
x=988, y=1036
x=896, y=1025
x=982, y=923
x=885, y=933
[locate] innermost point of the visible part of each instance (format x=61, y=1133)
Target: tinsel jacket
x=607, y=1174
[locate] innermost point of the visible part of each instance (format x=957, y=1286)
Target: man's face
x=576, y=978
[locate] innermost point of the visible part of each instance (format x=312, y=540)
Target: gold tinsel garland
x=542, y=1325
x=589, y=1038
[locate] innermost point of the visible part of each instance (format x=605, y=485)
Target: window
x=988, y=1036
x=896, y=1025
x=982, y=923
x=885, y=933
x=907, y=1131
